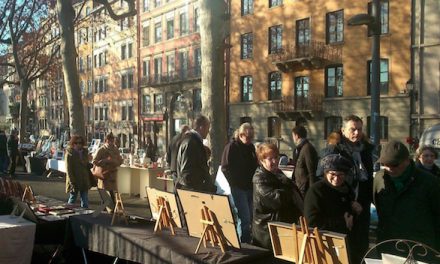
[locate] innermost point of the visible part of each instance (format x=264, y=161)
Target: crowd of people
x=333, y=188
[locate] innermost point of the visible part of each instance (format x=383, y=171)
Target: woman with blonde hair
x=425, y=157
x=77, y=171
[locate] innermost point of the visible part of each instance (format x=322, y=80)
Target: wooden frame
x=153, y=195
x=219, y=209
x=303, y=245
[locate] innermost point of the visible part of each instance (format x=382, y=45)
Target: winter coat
x=109, y=158
x=3, y=145
x=239, y=162
x=77, y=170
x=12, y=146
x=275, y=198
x=413, y=212
x=435, y=170
x=192, y=165
x=306, y=162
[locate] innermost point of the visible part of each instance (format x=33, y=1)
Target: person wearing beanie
x=329, y=203
x=407, y=199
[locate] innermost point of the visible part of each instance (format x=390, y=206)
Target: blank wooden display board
x=287, y=240
x=192, y=204
x=154, y=194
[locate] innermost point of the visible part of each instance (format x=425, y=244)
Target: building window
x=383, y=127
x=245, y=119
x=146, y=36
x=157, y=3
x=101, y=85
x=303, y=32
x=275, y=39
x=332, y=124
x=275, y=86
x=301, y=92
x=196, y=20
x=246, y=45
x=183, y=64
x=246, y=88
x=197, y=100
x=198, y=61
x=170, y=28
x=247, y=7
x=146, y=106
x=146, y=5
x=146, y=68
x=127, y=112
x=384, y=16
x=157, y=69
x=274, y=127
x=171, y=65
x=158, y=32
x=126, y=51
x=183, y=19
x=158, y=102
x=383, y=76
x=273, y=3
x=127, y=80
x=334, y=79
x=335, y=27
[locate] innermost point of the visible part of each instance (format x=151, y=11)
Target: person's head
x=394, y=157
x=110, y=139
x=77, y=142
x=426, y=155
x=184, y=129
x=335, y=168
x=246, y=133
x=298, y=133
x=352, y=128
x=268, y=155
x=334, y=138
x=202, y=125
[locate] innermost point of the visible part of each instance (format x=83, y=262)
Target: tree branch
x=108, y=6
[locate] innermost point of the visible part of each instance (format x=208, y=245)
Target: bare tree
x=66, y=18
x=212, y=33
x=28, y=49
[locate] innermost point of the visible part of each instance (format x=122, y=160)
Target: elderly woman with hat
x=329, y=204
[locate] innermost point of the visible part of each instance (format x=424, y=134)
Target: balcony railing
x=291, y=106
x=312, y=55
x=172, y=77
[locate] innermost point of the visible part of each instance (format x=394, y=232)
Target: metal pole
x=375, y=81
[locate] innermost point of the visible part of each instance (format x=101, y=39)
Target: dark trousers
x=4, y=160
x=12, y=164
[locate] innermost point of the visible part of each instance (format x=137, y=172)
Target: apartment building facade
x=297, y=62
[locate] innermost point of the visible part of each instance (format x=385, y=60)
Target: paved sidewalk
x=54, y=187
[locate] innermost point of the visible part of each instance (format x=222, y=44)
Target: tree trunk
x=66, y=15
x=24, y=87
x=212, y=26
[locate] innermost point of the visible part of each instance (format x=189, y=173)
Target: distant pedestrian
x=192, y=161
x=12, y=152
x=151, y=149
x=3, y=152
x=305, y=159
x=425, y=157
x=77, y=171
x=238, y=164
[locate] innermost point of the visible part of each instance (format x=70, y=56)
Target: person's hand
x=356, y=207
x=348, y=220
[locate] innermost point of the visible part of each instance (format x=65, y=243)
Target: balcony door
x=301, y=98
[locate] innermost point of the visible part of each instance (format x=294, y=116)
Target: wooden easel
x=312, y=247
x=164, y=219
x=119, y=210
x=211, y=231
x=28, y=195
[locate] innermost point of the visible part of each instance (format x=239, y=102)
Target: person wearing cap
x=329, y=203
x=407, y=199
x=355, y=147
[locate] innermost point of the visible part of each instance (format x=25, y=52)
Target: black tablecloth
x=137, y=242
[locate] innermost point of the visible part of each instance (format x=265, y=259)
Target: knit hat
x=335, y=162
x=393, y=153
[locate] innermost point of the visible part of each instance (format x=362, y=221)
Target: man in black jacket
x=12, y=152
x=192, y=161
x=3, y=152
x=305, y=159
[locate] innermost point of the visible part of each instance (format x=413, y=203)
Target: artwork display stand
x=211, y=230
x=119, y=210
x=164, y=219
x=28, y=195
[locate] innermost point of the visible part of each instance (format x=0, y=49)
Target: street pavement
x=55, y=187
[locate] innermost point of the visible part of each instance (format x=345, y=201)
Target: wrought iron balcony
x=292, y=107
x=190, y=74
x=314, y=55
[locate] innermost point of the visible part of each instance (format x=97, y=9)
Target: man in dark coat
x=355, y=148
x=192, y=161
x=407, y=199
x=305, y=159
x=3, y=152
x=173, y=148
x=12, y=152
